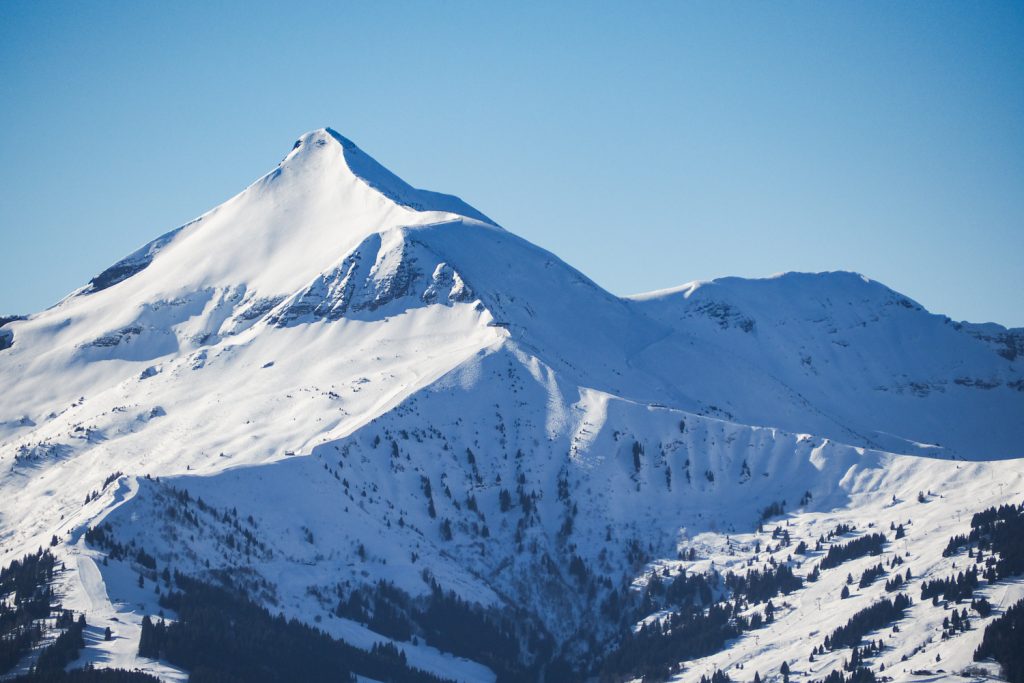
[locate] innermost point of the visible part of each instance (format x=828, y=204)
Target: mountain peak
x=325, y=197
x=369, y=171
x=320, y=138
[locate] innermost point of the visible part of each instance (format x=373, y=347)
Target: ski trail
x=92, y=584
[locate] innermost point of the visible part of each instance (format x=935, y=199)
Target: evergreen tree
x=1002, y=642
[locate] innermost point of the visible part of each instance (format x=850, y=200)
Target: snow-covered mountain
x=385, y=385
x=843, y=356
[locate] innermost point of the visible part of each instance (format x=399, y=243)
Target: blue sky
x=647, y=144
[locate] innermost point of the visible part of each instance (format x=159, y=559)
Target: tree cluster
x=686, y=589
x=897, y=581
x=862, y=675
x=64, y=649
x=870, y=575
x=25, y=598
x=454, y=625
x=869, y=619
x=1001, y=530
x=759, y=586
x=958, y=622
x=860, y=653
x=449, y=623
x=982, y=606
x=952, y=588
x=774, y=509
x=1002, y=642
x=88, y=674
x=221, y=636
x=655, y=650
x=870, y=544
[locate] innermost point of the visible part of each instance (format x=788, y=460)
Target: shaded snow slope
x=624, y=486
x=861, y=363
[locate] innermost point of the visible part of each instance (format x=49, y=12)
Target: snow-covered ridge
x=376, y=176
x=325, y=197
x=330, y=233
x=866, y=357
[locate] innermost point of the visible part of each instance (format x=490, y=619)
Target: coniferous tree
x=1002, y=642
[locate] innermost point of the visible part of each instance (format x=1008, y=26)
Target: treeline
x=89, y=674
x=861, y=675
x=22, y=577
x=953, y=588
x=759, y=586
x=870, y=575
x=25, y=599
x=861, y=653
x=683, y=589
x=454, y=625
x=1001, y=530
x=957, y=622
x=775, y=509
x=719, y=677
x=654, y=651
x=499, y=640
x=222, y=637
x=182, y=507
x=26, y=603
x=65, y=648
x=101, y=536
x=998, y=530
x=1002, y=642
x=897, y=581
x=859, y=547
x=698, y=624
x=869, y=619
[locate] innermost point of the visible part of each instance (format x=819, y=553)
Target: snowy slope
x=386, y=382
x=869, y=365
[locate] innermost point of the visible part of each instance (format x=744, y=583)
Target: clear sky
x=647, y=144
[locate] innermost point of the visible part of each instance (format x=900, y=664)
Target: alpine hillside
x=339, y=426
